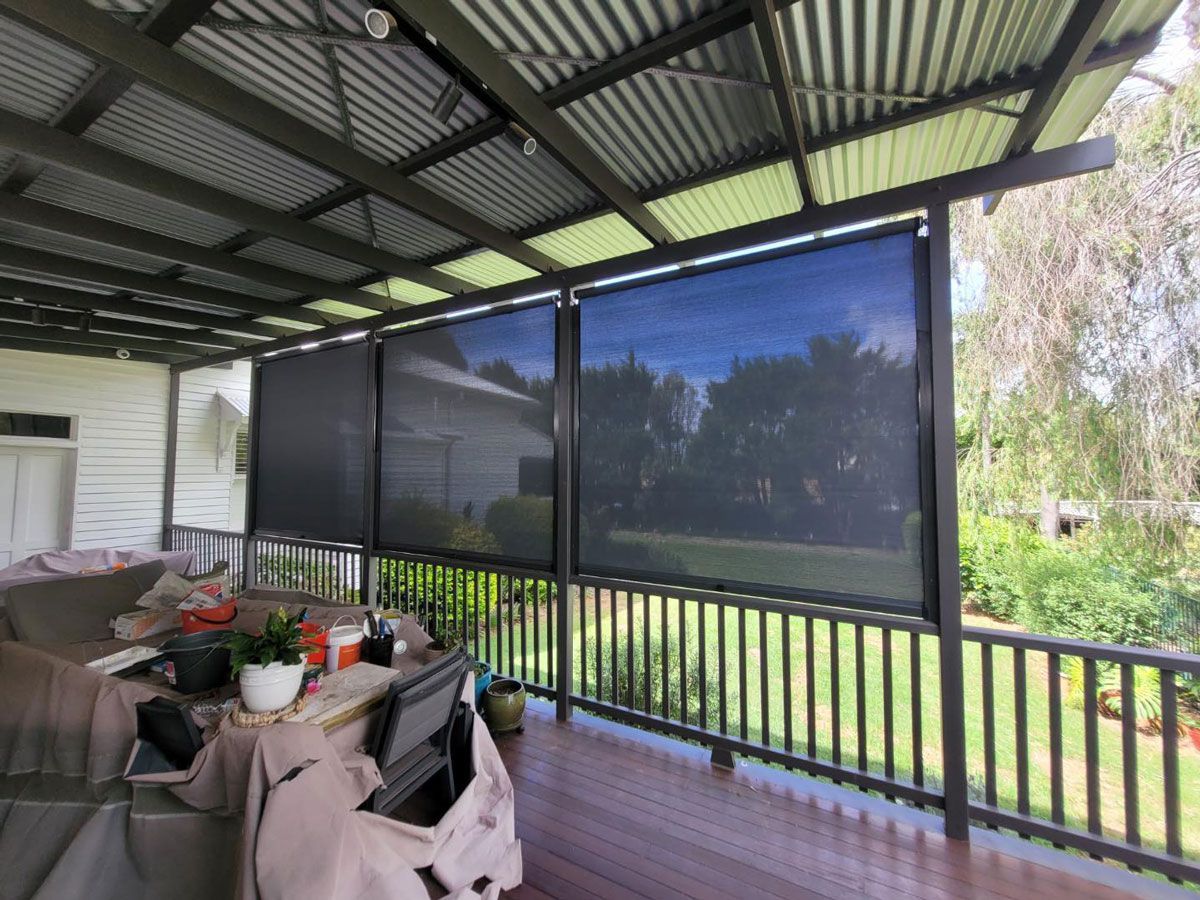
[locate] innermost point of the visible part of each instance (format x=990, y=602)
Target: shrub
x=990, y=553
x=910, y=534
x=522, y=525
x=1069, y=595
x=417, y=522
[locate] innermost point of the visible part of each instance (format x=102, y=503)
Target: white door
x=34, y=486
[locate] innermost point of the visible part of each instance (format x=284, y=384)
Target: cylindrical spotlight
x=379, y=23
x=446, y=102
x=523, y=140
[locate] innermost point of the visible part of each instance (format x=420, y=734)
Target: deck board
x=604, y=811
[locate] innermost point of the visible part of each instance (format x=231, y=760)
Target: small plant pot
x=435, y=650
x=504, y=705
x=483, y=677
x=271, y=688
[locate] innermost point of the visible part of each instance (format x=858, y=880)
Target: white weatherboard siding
x=205, y=487
x=120, y=439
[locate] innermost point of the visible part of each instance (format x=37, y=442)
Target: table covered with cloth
x=262, y=812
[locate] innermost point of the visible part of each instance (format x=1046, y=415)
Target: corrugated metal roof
x=404, y=290
x=109, y=201
x=738, y=200
x=1137, y=17
x=78, y=249
x=338, y=308
x=163, y=131
x=487, y=269
x=241, y=285
x=496, y=180
x=37, y=76
x=279, y=252
x=592, y=240
x=397, y=229
x=1084, y=98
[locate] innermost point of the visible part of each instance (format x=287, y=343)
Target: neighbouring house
x=83, y=448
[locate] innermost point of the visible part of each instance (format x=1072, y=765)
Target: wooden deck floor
x=606, y=811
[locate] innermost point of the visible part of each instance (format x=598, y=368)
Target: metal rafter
x=97, y=34
x=60, y=335
x=1033, y=168
x=23, y=313
x=45, y=346
x=28, y=136
x=774, y=53
x=87, y=301
x=166, y=22
x=60, y=220
x=1067, y=60
x=55, y=265
x=459, y=48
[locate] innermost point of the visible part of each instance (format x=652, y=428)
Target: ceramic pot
x=504, y=705
x=271, y=688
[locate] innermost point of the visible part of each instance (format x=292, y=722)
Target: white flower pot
x=271, y=688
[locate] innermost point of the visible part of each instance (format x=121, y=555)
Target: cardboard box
x=133, y=626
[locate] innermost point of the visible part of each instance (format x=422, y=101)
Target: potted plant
x=483, y=677
x=444, y=641
x=269, y=665
x=504, y=705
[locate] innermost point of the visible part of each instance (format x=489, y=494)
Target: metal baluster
x=1053, y=668
x=599, y=650
x=476, y=622
x=666, y=657
x=524, y=617
x=1021, y=706
x=989, y=724
x=551, y=614
x=1091, y=740
x=512, y=668
x=835, y=692
x=810, y=688
x=763, y=684
x=614, y=693
x=860, y=696
x=1170, y=739
x=742, y=692
x=1129, y=756
x=785, y=638
x=702, y=659
x=646, y=704
x=537, y=629
x=583, y=645
x=683, y=691
x=723, y=709
x=914, y=649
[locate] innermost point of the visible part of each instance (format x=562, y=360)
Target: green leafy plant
x=280, y=640
x=446, y=639
x=1147, y=695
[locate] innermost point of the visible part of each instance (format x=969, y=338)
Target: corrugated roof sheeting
x=925, y=48
x=1084, y=98
x=287, y=255
x=165, y=132
x=928, y=149
x=404, y=233
x=101, y=198
x=79, y=249
x=37, y=76
x=338, y=308
x=487, y=269
x=291, y=74
x=1137, y=17
x=592, y=240
x=762, y=193
x=496, y=180
x=241, y=285
x=402, y=289
x=595, y=29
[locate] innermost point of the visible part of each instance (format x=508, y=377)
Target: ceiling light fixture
x=379, y=23
x=446, y=102
x=522, y=139
x=38, y=316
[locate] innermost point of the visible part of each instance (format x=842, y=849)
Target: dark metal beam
x=166, y=22
x=774, y=53
x=1066, y=61
x=60, y=220
x=95, y=33
x=1034, y=168
x=40, y=261
x=449, y=38
x=28, y=136
x=85, y=301
x=42, y=346
x=95, y=339
x=23, y=313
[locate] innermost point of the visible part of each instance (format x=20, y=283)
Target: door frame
x=71, y=475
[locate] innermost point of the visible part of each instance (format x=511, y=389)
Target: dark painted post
x=168, y=505
x=366, y=574
x=249, y=557
x=566, y=338
x=949, y=592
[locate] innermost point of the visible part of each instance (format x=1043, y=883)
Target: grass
x=880, y=573
x=765, y=665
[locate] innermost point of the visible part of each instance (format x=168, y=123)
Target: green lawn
x=649, y=614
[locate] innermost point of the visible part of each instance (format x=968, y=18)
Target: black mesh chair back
x=413, y=741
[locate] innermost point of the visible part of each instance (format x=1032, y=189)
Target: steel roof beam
x=97, y=34
x=87, y=301
x=1033, y=168
x=459, y=47
x=166, y=22
x=1079, y=37
x=53, y=264
x=28, y=136
x=60, y=220
x=23, y=313
x=774, y=53
x=75, y=349
x=93, y=339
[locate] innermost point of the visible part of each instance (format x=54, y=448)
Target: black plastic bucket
x=198, y=661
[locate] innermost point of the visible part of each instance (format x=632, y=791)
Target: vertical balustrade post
x=168, y=501
x=368, y=586
x=945, y=484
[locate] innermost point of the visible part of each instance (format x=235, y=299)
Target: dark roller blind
x=756, y=427
x=309, y=445
x=467, y=425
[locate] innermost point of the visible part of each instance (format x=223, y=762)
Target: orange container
x=219, y=618
x=344, y=647
x=315, y=636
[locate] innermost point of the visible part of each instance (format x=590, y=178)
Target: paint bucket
x=343, y=647
x=218, y=618
x=197, y=662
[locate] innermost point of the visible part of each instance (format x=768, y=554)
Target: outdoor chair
x=413, y=741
